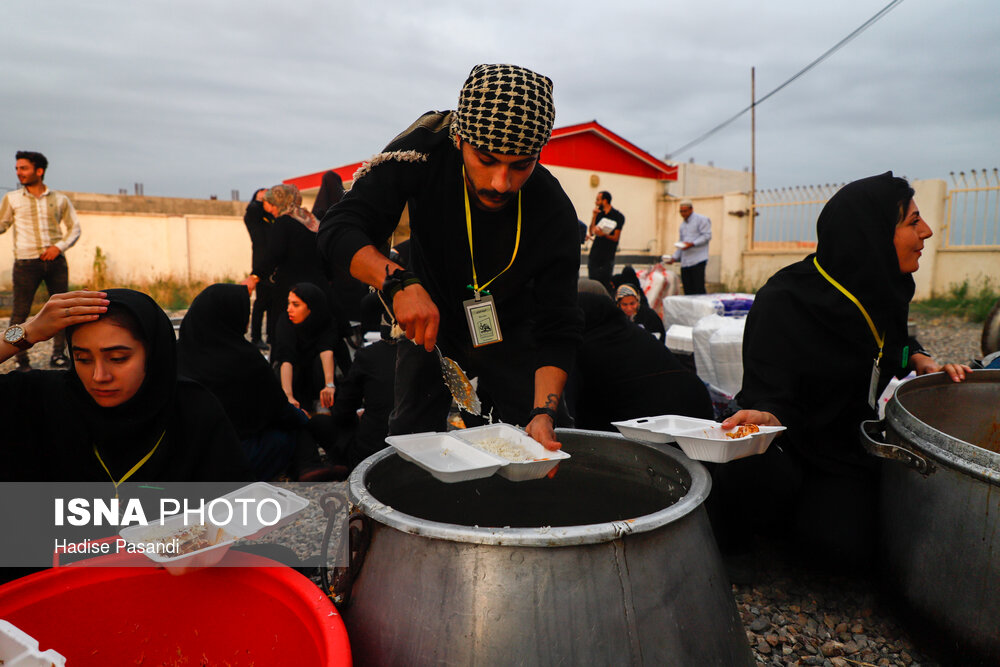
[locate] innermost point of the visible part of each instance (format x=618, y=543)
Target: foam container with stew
x=711, y=443
x=220, y=537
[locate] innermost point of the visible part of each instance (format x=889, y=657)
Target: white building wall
x=635, y=197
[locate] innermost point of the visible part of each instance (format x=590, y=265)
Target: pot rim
x=941, y=447
x=545, y=536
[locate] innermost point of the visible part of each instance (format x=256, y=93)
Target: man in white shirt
x=38, y=216
x=692, y=251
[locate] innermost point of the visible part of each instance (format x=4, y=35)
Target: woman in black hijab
x=623, y=373
x=121, y=413
x=259, y=223
x=331, y=191
x=213, y=351
x=645, y=316
x=306, y=340
x=822, y=340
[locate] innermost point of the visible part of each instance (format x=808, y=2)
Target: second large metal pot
x=611, y=562
x=940, y=508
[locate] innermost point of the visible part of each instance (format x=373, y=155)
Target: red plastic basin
x=266, y=615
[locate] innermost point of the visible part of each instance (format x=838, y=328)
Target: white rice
x=503, y=448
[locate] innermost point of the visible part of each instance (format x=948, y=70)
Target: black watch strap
x=543, y=411
x=396, y=281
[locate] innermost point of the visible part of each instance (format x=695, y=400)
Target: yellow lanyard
x=138, y=465
x=879, y=340
x=468, y=225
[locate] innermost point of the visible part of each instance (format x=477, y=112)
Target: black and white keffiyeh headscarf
x=505, y=109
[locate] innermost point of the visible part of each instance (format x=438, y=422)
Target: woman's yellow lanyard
x=480, y=311
x=136, y=467
x=879, y=339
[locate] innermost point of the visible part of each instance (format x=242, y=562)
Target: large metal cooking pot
x=940, y=512
x=612, y=561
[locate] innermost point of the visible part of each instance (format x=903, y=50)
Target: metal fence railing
x=974, y=209
x=786, y=217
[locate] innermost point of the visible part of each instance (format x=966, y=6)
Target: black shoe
x=58, y=361
x=23, y=366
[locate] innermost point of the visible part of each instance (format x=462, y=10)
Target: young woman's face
x=630, y=305
x=909, y=239
x=110, y=362
x=298, y=311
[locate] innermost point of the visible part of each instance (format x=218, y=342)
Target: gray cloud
x=195, y=98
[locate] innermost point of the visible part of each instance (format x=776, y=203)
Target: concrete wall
x=190, y=242
x=206, y=240
x=635, y=197
x=700, y=180
x=940, y=268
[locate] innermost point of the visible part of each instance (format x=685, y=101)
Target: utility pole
x=753, y=155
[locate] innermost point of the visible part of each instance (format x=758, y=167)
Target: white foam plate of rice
x=525, y=458
x=445, y=457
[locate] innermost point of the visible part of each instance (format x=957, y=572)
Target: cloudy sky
x=194, y=98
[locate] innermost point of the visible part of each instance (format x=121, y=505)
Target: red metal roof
x=585, y=146
x=308, y=181
x=593, y=146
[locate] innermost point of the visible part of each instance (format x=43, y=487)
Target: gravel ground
x=795, y=614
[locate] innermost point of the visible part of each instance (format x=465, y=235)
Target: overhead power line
x=836, y=47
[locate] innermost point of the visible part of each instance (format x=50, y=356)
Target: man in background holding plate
x=605, y=228
x=692, y=249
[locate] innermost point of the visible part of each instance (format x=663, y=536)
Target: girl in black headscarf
x=644, y=316
x=213, y=351
x=121, y=413
x=822, y=340
x=623, y=373
x=306, y=341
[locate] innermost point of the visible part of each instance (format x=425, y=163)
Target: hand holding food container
x=743, y=434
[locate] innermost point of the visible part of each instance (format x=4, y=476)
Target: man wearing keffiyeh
x=488, y=225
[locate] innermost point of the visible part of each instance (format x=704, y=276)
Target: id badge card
x=873, y=386
x=484, y=327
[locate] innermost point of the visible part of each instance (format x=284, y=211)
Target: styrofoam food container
x=181, y=563
x=222, y=535
x=539, y=462
x=659, y=430
x=289, y=504
x=19, y=649
x=710, y=443
x=447, y=458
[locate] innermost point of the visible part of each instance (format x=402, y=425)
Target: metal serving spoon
x=458, y=384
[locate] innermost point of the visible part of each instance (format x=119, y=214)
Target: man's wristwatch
x=396, y=281
x=15, y=336
x=542, y=411
x=330, y=385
